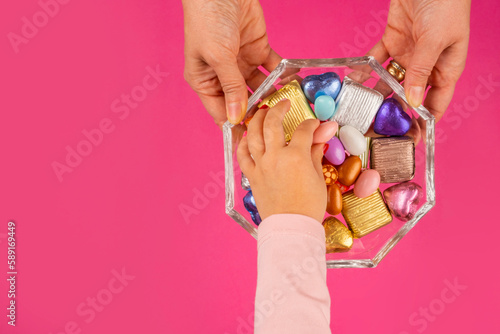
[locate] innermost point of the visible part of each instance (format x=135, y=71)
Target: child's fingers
x=274, y=135
x=317, y=157
x=255, y=135
x=245, y=160
x=303, y=135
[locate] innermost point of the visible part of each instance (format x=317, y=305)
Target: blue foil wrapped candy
x=249, y=203
x=323, y=84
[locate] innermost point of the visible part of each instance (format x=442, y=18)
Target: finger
x=255, y=134
x=235, y=88
x=244, y=157
x=272, y=60
x=418, y=71
x=215, y=106
x=237, y=131
x=325, y=132
x=255, y=79
x=317, y=157
x=289, y=79
x=415, y=131
x=438, y=99
x=380, y=53
x=303, y=136
x=274, y=135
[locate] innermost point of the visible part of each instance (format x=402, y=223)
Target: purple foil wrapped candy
x=391, y=120
x=249, y=203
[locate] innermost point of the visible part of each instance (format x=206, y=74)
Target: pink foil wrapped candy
x=403, y=199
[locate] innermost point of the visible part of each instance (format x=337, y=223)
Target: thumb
x=235, y=89
x=419, y=70
x=317, y=157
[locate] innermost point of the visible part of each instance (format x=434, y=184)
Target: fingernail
x=244, y=134
x=325, y=148
x=234, y=112
x=415, y=96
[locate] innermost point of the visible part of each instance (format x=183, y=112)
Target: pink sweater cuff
x=290, y=224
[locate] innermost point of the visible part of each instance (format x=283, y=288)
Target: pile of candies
x=354, y=165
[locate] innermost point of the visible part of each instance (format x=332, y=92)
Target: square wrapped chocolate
x=299, y=109
x=393, y=158
x=357, y=105
x=365, y=215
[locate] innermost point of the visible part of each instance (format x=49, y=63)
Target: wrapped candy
x=393, y=158
x=330, y=173
x=338, y=236
x=299, y=109
x=365, y=215
x=403, y=199
x=249, y=203
x=357, y=105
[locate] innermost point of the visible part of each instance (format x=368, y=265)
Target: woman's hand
x=284, y=178
x=430, y=39
x=225, y=43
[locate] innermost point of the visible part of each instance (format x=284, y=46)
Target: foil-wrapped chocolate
x=403, y=199
x=366, y=155
x=365, y=215
x=357, y=105
x=393, y=158
x=338, y=236
x=299, y=109
x=245, y=184
x=249, y=203
x=330, y=173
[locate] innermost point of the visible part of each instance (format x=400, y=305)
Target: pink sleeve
x=292, y=296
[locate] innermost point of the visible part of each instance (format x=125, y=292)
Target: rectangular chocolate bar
x=357, y=105
x=393, y=158
x=299, y=110
x=365, y=215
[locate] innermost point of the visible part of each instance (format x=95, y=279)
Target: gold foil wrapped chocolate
x=393, y=158
x=357, y=105
x=338, y=236
x=299, y=109
x=365, y=215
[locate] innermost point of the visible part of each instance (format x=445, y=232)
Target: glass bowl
x=369, y=250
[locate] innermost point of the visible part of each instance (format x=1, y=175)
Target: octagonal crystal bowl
x=369, y=250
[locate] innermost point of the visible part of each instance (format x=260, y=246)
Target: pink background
x=120, y=207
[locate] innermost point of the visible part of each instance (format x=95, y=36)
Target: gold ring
x=396, y=70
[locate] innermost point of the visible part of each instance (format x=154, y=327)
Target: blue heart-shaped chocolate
x=391, y=120
x=323, y=84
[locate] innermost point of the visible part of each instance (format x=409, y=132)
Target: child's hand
x=284, y=179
